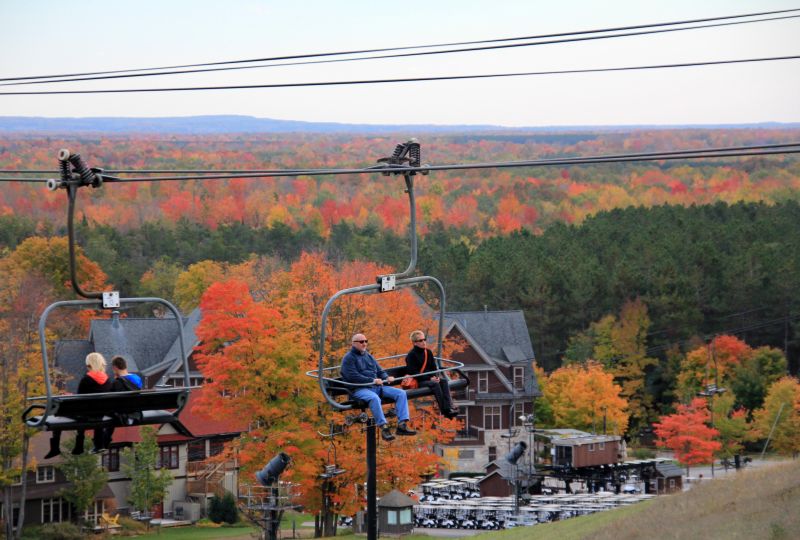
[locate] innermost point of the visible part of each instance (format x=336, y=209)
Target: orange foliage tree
x=33, y=275
x=709, y=363
x=582, y=397
x=255, y=354
x=687, y=434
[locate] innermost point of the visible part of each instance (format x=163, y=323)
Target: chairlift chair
x=54, y=412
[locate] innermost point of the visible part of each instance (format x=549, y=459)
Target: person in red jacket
x=420, y=360
x=94, y=382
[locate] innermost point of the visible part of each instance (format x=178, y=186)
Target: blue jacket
x=361, y=367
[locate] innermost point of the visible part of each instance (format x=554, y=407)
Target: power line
x=405, y=79
x=389, y=49
x=390, y=56
x=743, y=151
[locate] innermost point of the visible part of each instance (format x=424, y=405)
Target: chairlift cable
x=724, y=152
x=357, y=82
x=388, y=49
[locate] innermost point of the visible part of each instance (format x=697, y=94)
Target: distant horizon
x=239, y=123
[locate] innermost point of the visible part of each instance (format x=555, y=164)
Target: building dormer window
x=45, y=474
x=483, y=382
x=519, y=378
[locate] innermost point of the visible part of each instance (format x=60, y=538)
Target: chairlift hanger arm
x=79, y=176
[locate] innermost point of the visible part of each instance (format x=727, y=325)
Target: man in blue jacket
x=359, y=366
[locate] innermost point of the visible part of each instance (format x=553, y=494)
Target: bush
x=60, y=531
x=223, y=509
x=642, y=453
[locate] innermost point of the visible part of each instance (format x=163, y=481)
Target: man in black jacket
x=420, y=359
x=123, y=382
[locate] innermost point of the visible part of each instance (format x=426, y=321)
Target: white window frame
x=483, y=382
x=97, y=508
x=45, y=474
x=601, y=445
x=60, y=505
x=519, y=377
x=492, y=411
x=591, y=447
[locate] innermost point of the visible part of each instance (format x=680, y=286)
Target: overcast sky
x=50, y=37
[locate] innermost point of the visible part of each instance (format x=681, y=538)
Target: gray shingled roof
x=502, y=336
x=395, y=499
x=70, y=359
x=497, y=333
x=150, y=345
x=669, y=470
x=173, y=356
x=143, y=342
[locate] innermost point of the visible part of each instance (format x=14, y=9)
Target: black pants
x=441, y=391
x=98, y=439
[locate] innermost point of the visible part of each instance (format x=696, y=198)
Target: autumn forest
x=640, y=282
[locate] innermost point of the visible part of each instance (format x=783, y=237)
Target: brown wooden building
x=498, y=359
x=586, y=451
x=668, y=479
x=395, y=514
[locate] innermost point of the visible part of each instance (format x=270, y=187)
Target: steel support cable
x=498, y=165
x=404, y=80
x=390, y=56
x=371, y=169
x=387, y=49
x=765, y=150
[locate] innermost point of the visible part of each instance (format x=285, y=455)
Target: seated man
x=123, y=382
x=359, y=366
x=420, y=360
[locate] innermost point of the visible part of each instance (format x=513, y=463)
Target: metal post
x=772, y=429
x=372, y=515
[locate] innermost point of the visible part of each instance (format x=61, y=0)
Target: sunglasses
x=360, y=341
x=418, y=340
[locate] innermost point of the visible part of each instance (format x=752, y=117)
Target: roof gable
x=494, y=330
x=143, y=342
x=395, y=499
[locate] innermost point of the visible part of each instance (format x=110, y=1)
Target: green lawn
x=199, y=533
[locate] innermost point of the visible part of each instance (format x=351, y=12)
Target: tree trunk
x=8, y=512
x=23, y=492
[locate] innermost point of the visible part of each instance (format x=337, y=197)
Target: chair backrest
x=88, y=405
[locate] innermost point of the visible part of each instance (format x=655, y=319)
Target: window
x=197, y=450
x=601, y=446
x=405, y=516
x=391, y=517
x=483, y=382
x=168, y=457
x=216, y=447
x=55, y=510
x=491, y=417
x=671, y=483
x=110, y=460
x=519, y=378
x=591, y=447
x=492, y=453
x=95, y=511
x=45, y=474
